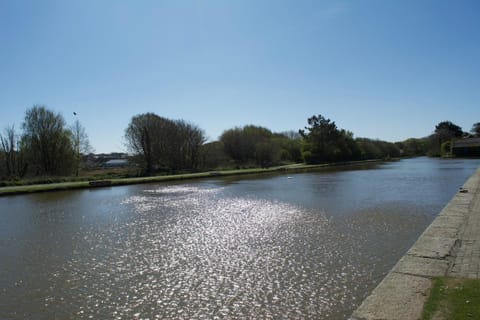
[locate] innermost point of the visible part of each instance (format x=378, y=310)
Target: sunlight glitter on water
x=311, y=247
x=210, y=257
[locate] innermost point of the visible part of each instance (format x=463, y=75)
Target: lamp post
x=77, y=143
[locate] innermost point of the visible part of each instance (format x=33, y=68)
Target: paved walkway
x=467, y=258
x=449, y=246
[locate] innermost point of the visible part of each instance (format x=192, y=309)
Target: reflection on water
x=309, y=247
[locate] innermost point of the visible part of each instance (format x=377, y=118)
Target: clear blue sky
x=382, y=69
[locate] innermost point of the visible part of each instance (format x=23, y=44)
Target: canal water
x=304, y=246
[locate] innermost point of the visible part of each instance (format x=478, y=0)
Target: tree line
x=47, y=146
x=161, y=144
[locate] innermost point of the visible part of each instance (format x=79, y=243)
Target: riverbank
x=24, y=189
x=450, y=246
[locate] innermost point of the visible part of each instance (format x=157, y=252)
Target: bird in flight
x=74, y=113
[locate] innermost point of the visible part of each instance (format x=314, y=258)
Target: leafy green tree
x=348, y=148
x=389, y=149
x=213, y=156
x=369, y=149
x=248, y=144
x=47, y=142
x=446, y=148
x=377, y=149
x=414, y=147
x=266, y=153
x=236, y=145
x=319, y=139
x=444, y=131
x=324, y=142
x=290, y=146
x=447, y=130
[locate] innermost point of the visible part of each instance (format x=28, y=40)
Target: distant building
x=106, y=160
x=467, y=147
x=116, y=163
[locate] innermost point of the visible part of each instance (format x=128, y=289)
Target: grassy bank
x=453, y=299
x=23, y=189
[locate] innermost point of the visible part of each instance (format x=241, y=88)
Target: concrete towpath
x=450, y=246
x=467, y=260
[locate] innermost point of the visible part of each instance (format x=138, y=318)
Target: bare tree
x=189, y=140
x=47, y=142
x=162, y=143
x=80, y=142
x=13, y=159
x=147, y=136
x=292, y=135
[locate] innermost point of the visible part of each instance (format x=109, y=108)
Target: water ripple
x=311, y=247
x=194, y=254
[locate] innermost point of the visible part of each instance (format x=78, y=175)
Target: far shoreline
x=62, y=186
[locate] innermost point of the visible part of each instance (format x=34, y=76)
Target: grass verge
x=453, y=299
x=23, y=189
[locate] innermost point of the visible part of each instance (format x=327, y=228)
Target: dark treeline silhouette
x=323, y=142
x=161, y=144
x=46, y=146
x=258, y=146
x=444, y=133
